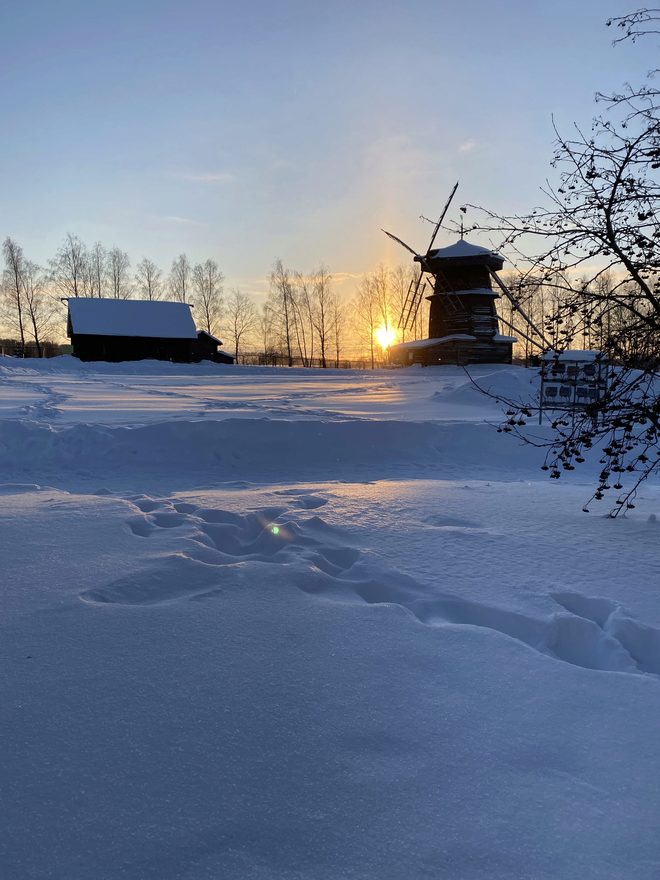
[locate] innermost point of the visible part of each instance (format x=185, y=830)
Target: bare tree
x=119, y=280
x=179, y=281
x=241, y=318
x=148, y=279
x=68, y=267
x=14, y=287
x=602, y=219
x=95, y=270
x=401, y=279
x=642, y=22
x=303, y=320
x=382, y=292
x=267, y=324
x=337, y=324
x=322, y=312
x=208, y=284
x=367, y=314
x=39, y=306
x=282, y=307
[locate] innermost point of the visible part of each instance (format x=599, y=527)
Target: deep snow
x=313, y=624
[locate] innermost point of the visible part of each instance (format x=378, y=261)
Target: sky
x=253, y=131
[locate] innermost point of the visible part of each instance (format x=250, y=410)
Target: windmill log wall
x=455, y=313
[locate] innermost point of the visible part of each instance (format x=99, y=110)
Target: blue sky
x=251, y=131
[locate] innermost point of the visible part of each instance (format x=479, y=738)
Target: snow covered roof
x=130, y=317
x=442, y=340
x=209, y=336
x=462, y=249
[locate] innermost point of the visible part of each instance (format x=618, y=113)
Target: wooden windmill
x=463, y=319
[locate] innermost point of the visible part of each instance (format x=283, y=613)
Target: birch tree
x=241, y=318
x=39, y=306
x=68, y=268
x=119, y=282
x=302, y=303
x=281, y=306
x=14, y=288
x=148, y=279
x=322, y=315
x=208, y=283
x=95, y=270
x=367, y=312
x=180, y=279
x=337, y=326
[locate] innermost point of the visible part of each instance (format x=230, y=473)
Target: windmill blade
x=402, y=243
x=410, y=300
x=412, y=318
x=404, y=307
x=529, y=339
x=505, y=290
x=442, y=217
x=414, y=301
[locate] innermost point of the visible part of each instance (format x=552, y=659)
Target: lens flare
x=275, y=530
x=385, y=336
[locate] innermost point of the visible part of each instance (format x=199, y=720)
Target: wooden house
x=130, y=330
x=206, y=349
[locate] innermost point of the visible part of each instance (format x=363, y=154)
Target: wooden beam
x=505, y=290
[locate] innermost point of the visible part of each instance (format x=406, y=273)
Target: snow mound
x=488, y=389
x=262, y=449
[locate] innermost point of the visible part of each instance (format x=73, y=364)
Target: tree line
x=303, y=321
x=578, y=312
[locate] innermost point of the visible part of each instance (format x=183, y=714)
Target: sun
x=385, y=336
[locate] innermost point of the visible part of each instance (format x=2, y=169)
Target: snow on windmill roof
x=461, y=250
x=431, y=343
x=130, y=317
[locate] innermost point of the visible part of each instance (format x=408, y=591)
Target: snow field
x=305, y=648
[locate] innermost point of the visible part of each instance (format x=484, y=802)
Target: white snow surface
x=269, y=623
x=131, y=317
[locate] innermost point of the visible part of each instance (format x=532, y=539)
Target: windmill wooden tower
x=463, y=319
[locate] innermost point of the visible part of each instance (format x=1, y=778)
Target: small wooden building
x=130, y=330
x=463, y=323
x=206, y=349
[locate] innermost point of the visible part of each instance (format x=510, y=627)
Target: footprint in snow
x=222, y=539
x=589, y=632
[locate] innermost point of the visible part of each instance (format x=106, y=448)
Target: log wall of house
x=130, y=348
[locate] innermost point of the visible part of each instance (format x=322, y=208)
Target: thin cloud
x=205, y=176
x=466, y=146
x=185, y=221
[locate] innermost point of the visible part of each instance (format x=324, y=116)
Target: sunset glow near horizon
x=246, y=133
x=385, y=336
